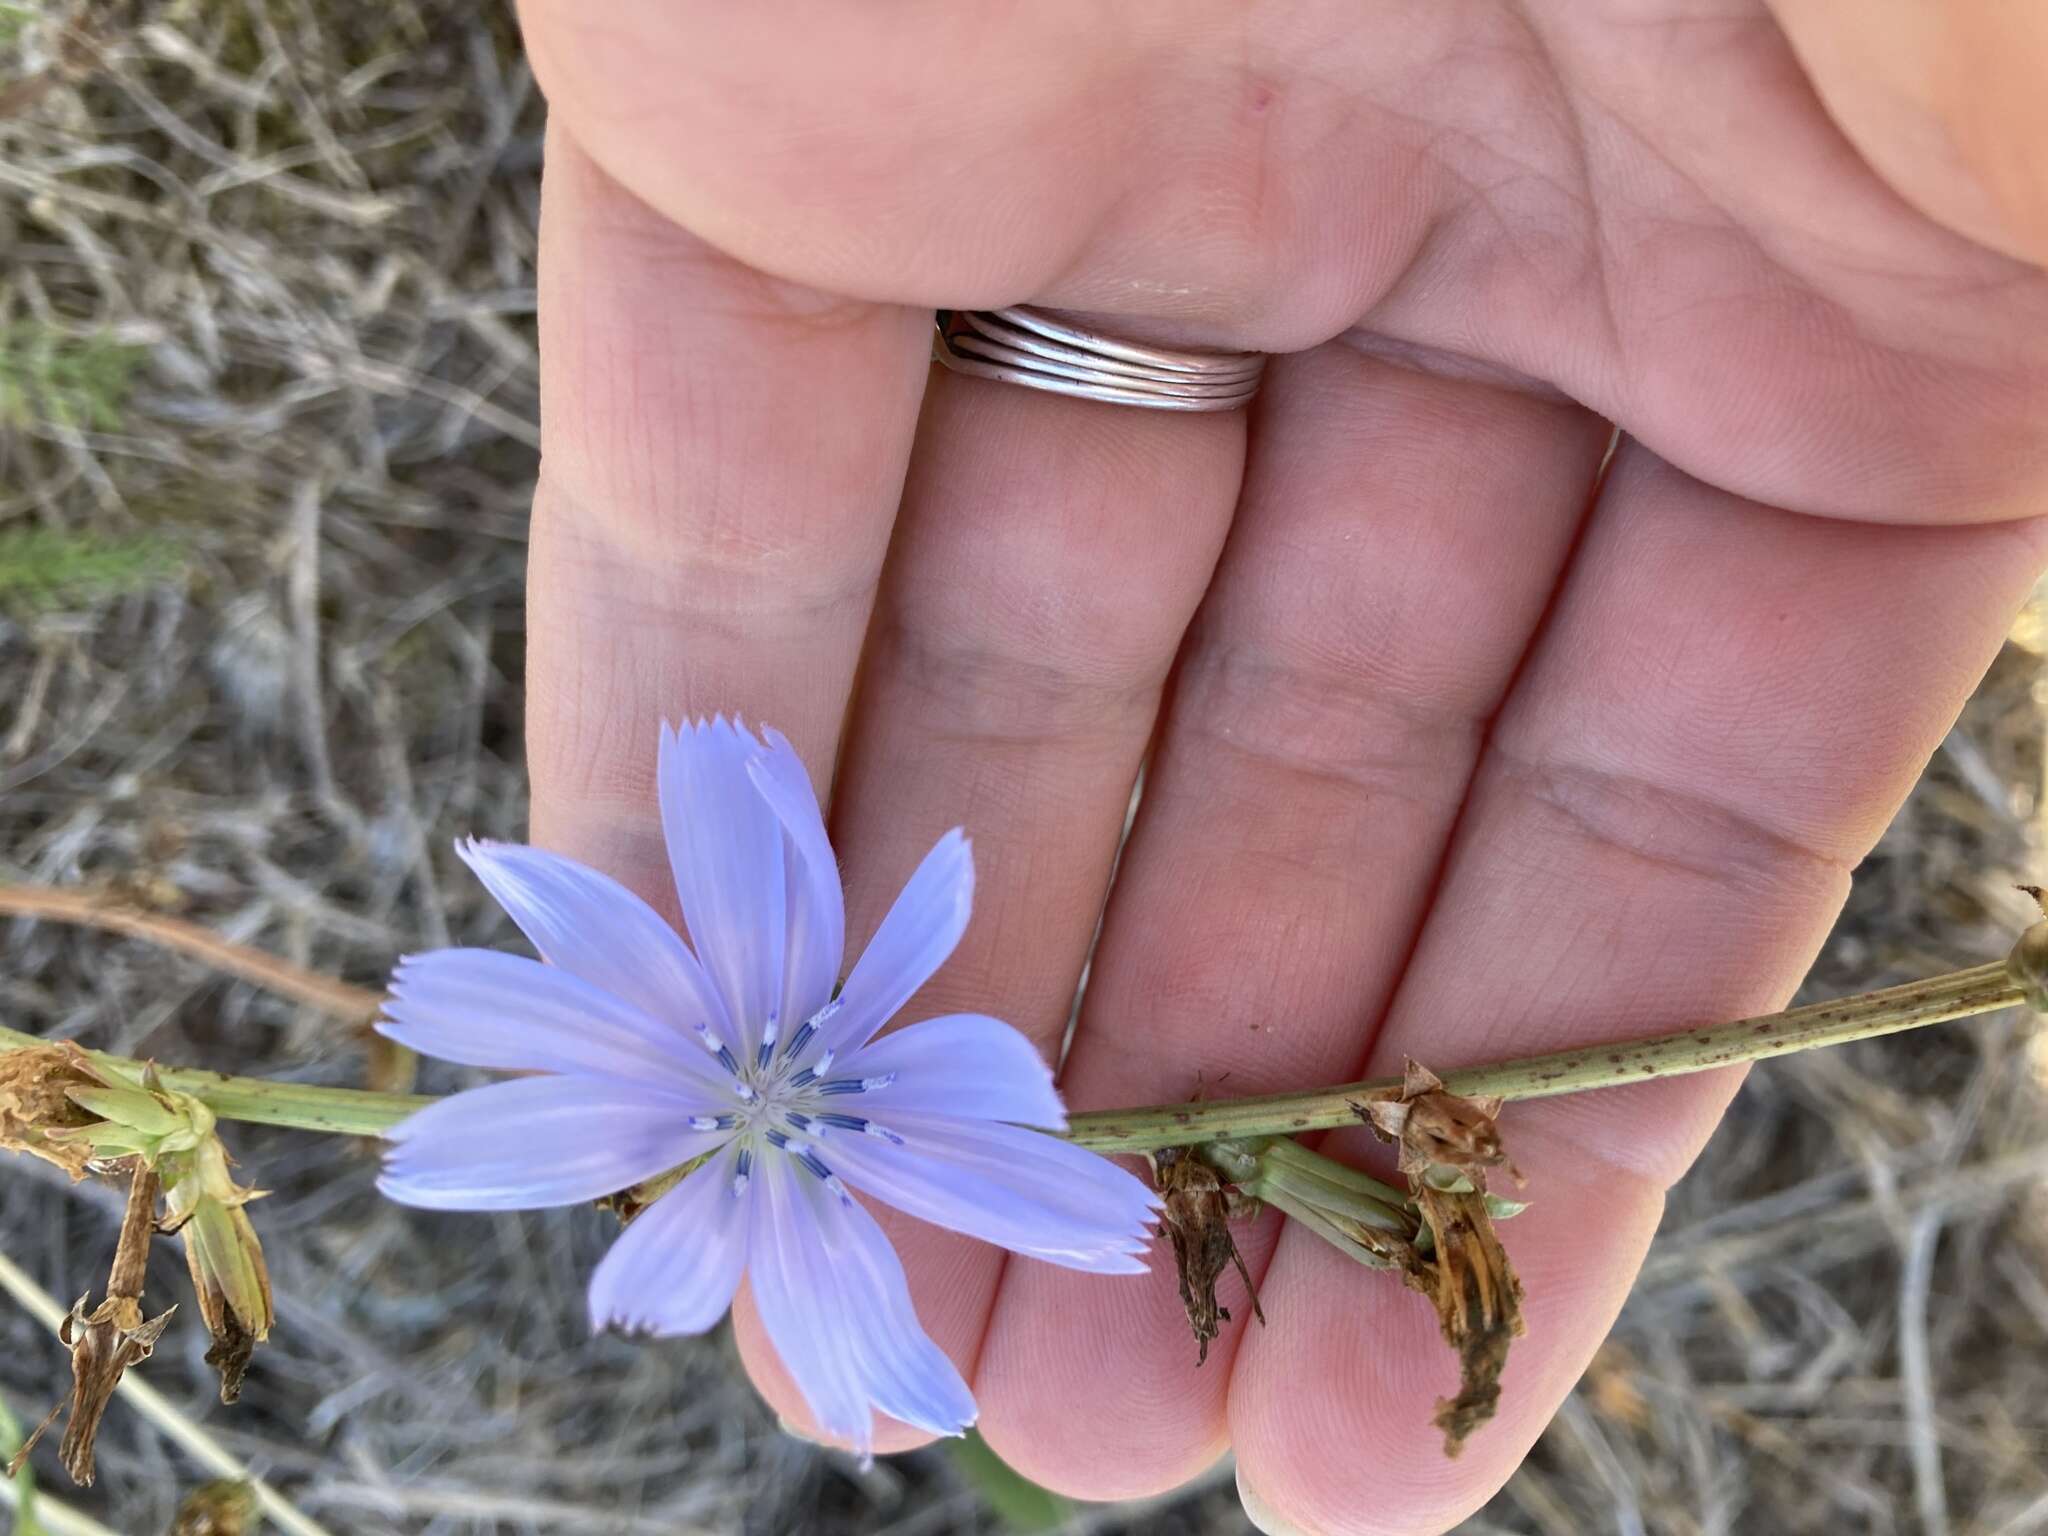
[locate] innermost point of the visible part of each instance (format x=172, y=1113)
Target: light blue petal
x=725, y=846
x=487, y=1009
x=962, y=1064
x=816, y=941
x=832, y=1297
x=539, y=1141
x=592, y=926
x=675, y=1268
x=1022, y=1190
x=914, y=940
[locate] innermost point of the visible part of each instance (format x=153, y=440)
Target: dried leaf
x=1197, y=1220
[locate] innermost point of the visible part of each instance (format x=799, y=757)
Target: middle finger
x=1046, y=562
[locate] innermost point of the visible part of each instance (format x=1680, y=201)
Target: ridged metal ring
x=1022, y=346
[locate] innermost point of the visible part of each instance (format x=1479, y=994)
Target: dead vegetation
x=267, y=404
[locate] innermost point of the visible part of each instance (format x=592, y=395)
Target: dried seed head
x=1438, y=1129
x=1197, y=1220
x=103, y=1346
x=37, y=1112
x=1447, y=1143
x=1478, y=1301
x=110, y=1338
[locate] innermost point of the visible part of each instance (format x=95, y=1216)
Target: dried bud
x=1197, y=1219
x=2028, y=962
x=1436, y=1129
x=203, y=1205
x=36, y=1108
x=223, y=1508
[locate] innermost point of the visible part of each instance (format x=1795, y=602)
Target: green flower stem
x=265, y=1101
x=1981, y=989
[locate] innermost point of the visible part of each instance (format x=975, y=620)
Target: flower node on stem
x=1197, y=1221
x=1448, y=1142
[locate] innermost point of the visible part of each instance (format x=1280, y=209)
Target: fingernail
x=1262, y=1515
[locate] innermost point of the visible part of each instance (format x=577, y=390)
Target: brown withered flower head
x=36, y=1107
x=1197, y=1220
x=1478, y=1299
x=1447, y=1143
x=106, y=1341
x=1438, y=1129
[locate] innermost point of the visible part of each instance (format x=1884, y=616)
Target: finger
x=723, y=454
x=1049, y=557
x=1727, y=705
x=1375, y=597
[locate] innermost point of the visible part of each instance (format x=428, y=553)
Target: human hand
x=1453, y=757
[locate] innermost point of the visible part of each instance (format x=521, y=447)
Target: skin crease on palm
x=1450, y=755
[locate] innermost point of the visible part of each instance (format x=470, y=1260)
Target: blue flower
x=651, y=1053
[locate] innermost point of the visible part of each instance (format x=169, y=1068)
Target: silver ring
x=1022, y=346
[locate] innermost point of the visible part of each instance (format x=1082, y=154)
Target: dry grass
x=267, y=397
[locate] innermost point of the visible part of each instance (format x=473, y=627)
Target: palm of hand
x=1453, y=756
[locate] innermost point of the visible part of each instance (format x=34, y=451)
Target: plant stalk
x=1959, y=994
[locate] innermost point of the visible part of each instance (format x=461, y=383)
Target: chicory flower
x=736, y=1050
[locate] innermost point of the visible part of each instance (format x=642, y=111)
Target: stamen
x=833, y=1183
x=824, y=1062
x=713, y=1122
x=767, y=1052
x=778, y=1141
x=798, y=1119
x=744, y=1092
x=803, y=1079
x=716, y=1047
x=885, y=1134
x=739, y=1178
x=810, y=1160
x=809, y=1028
x=857, y=1084
x=802, y=1037
x=844, y=1122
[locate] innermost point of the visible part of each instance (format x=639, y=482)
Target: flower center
x=787, y=1104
